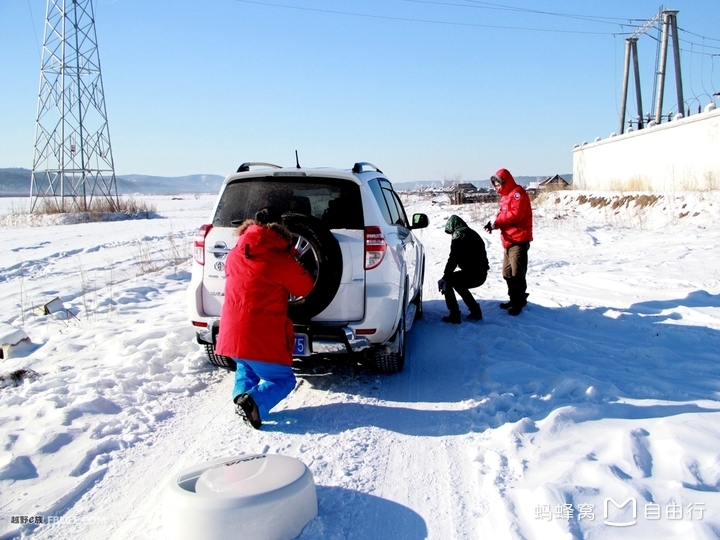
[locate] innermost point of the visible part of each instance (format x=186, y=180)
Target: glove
x=442, y=286
x=488, y=227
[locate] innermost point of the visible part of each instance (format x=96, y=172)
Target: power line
x=477, y=4
x=425, y=21
x=690, y=51
x=32, y=20
x=599, y=19
x=502, y=7
x=698, y=35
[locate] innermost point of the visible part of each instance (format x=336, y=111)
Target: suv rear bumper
x=323, y=339
x=333, y=339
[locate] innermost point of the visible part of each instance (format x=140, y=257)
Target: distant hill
x=16, y=183
x=169, y=185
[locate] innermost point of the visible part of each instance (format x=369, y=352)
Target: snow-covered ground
x=598, y=399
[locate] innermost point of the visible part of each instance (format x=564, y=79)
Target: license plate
x=302, y=347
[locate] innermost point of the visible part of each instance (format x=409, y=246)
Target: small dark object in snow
x=17, y=377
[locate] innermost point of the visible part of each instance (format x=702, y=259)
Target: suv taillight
x=375, y=247
x=199, y=244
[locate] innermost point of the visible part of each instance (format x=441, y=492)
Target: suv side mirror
x=419, y=221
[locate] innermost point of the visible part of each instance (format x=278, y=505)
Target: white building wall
x=680, y=155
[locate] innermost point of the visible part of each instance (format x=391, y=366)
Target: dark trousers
x=515, y=263
x=462, y=282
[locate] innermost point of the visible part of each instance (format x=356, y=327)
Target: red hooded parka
x=514, y=219
x=260, y=272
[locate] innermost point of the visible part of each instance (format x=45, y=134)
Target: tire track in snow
x=439, y=482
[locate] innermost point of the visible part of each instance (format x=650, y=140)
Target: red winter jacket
x=514, y=218
x=260, y=272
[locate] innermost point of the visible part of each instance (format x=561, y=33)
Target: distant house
x=551, y=183
x=467, y=193
x=465, y=187
x=461, y=192
x=554, y=182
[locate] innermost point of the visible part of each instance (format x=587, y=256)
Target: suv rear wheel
x=390, y=358
x=218, y=360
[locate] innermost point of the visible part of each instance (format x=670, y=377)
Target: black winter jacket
x=467, y=249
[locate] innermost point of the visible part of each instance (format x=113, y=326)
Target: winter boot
x=475, y=313
x=453, y=318
x=521, y=302
x=515, y=309
x=246, y=407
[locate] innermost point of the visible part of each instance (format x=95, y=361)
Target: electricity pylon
x=73, y=160
x=669, y=21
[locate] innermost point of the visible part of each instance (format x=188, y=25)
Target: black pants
x=515, y=263
x=462, y=282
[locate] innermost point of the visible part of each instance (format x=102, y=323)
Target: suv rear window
x=336, y=202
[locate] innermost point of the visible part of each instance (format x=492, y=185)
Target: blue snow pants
x=267, y=383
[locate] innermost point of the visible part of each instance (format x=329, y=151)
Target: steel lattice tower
x=73, y=160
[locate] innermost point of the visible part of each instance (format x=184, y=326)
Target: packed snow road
x=378, y=446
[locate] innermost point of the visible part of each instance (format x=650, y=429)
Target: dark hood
x=456, y=226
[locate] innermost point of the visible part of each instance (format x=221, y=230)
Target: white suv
x=351, y=232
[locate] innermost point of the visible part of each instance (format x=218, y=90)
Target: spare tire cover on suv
x=320, y=254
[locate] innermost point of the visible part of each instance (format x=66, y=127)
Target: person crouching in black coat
x=467, y=252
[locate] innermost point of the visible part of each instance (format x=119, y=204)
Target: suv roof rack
x=358, y=167
x=246, y=166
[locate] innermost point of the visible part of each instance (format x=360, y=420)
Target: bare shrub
x=86, y=287
x=712, y=181
x=634, y=183
x=142, y=253
x=482, y=212
x=95, y=209
x=553, y=187
x=179, y=250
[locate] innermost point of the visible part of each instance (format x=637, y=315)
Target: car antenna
x=297, y=160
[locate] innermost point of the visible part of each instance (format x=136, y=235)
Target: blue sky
x=426, y=90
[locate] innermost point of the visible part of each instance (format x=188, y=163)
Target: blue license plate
x=302, y=347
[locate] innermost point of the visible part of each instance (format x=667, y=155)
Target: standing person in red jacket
x=255, y=330
x=514, y=219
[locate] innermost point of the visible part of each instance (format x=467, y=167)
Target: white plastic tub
x=258, y=496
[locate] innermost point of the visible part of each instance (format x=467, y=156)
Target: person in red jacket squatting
x=514, y=219
x=255, y=330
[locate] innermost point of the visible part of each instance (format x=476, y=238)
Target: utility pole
x=631, y=51
x=72, y=162
x=669, y=21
